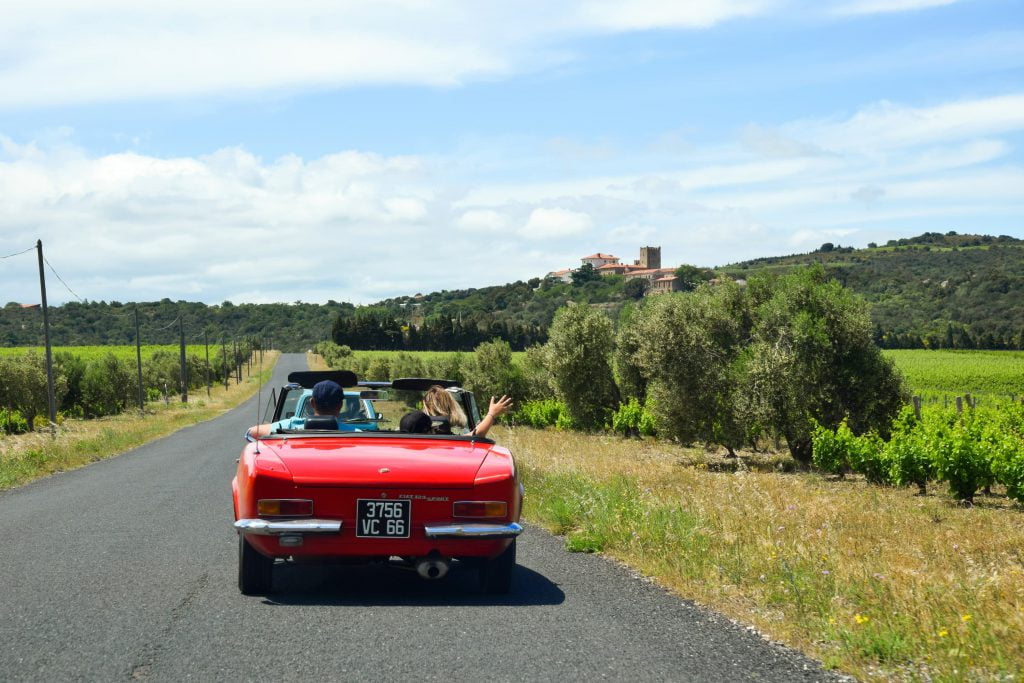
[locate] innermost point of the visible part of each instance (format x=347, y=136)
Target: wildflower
x=832, y=620
x=965, y=618
x=943, y=633
x=861, y=619
x=825, y=572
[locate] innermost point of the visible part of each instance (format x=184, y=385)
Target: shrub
x=868, y=457
x=540, y=413
x=538, y=382
x=579, y=348
x=491, y=372
x=909, y=458
x=961, y=461
x=831, y=449
x=446, y=366
x=23, y=385
x=108, y=385
x=11, y=422
x=333, y=354
x=631, y=419
x=379, y=369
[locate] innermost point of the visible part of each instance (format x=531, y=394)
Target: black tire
x=496, y=574
x=255, y=571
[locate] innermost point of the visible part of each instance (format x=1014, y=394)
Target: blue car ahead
x=357, y=413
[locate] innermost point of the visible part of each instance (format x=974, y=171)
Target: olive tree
x=689, y=349
x=579, y=349
x=491, y=372
x=813, y=360
x=108, y=386
x=23, y=385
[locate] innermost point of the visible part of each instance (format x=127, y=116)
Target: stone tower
x=650, y=257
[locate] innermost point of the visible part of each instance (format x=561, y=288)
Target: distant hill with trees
x=931, y=291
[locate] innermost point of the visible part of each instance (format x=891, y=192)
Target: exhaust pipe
x=433, y=567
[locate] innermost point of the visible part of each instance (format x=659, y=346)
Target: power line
x=19, y=253
x=61, y=280
x=173, y=322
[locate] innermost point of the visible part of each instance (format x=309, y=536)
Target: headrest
x=416, y=422
x=308, y=378
x=321, y=422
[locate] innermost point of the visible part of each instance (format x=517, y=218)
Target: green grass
x=953, y=373
x=875, y=581
x=123, y=352
x=422, y=355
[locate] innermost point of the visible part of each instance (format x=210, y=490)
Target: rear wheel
x=496, y=574
x=255, y=571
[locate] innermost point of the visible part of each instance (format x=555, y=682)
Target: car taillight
x=480, y=508
x=284, y=507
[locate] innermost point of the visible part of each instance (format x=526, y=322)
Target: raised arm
x=497, y=407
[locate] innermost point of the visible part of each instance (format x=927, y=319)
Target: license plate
x=383, y=518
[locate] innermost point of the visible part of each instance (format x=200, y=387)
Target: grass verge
x=26, y=457
x=874, y=581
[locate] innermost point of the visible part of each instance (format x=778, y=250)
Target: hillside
x=934, y=290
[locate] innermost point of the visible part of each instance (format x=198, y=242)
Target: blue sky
x=146, y=143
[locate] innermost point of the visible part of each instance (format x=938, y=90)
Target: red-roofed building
x=663, y=285
x=597, y=260
x=565, y=275
x=650, y=274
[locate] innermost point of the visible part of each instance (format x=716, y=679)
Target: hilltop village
x=647, y=267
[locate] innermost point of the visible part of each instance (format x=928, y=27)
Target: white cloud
x=483, y=220
x=545, y=223
x=358, y=226
x=770, y=143
x=887, y=6
x=888, y=126
x=68, y=52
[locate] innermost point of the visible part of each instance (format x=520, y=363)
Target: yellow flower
x=965, y=618
x=861, y=619
x=943, y=633
x=832, y=620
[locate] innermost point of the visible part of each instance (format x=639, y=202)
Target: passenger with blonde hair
x=440, y=403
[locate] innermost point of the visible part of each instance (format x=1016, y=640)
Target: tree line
x=104, y=383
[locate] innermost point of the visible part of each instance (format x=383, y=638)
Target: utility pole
x=138, y=361
x=206, y=341
x=224, y=361
x=181, y=354
x=51, y=397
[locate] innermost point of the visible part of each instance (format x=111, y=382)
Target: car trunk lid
x=380, y=463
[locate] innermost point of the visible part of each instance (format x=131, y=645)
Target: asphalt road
x=126, y=569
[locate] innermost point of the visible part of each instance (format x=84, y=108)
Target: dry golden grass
x=874, y=580
x=77, y=442
x=316, y=361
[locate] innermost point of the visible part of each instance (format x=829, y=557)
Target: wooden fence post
x=959, y=404
x=917, y=407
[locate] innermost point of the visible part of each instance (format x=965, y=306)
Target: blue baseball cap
x=328, y=396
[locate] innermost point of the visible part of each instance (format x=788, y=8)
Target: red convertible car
x=318, y=493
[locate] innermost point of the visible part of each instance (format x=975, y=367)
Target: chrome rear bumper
x=268, y=527
x=510, y=530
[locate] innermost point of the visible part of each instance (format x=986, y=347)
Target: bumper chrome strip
x=510, y=530
x=269, y=527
